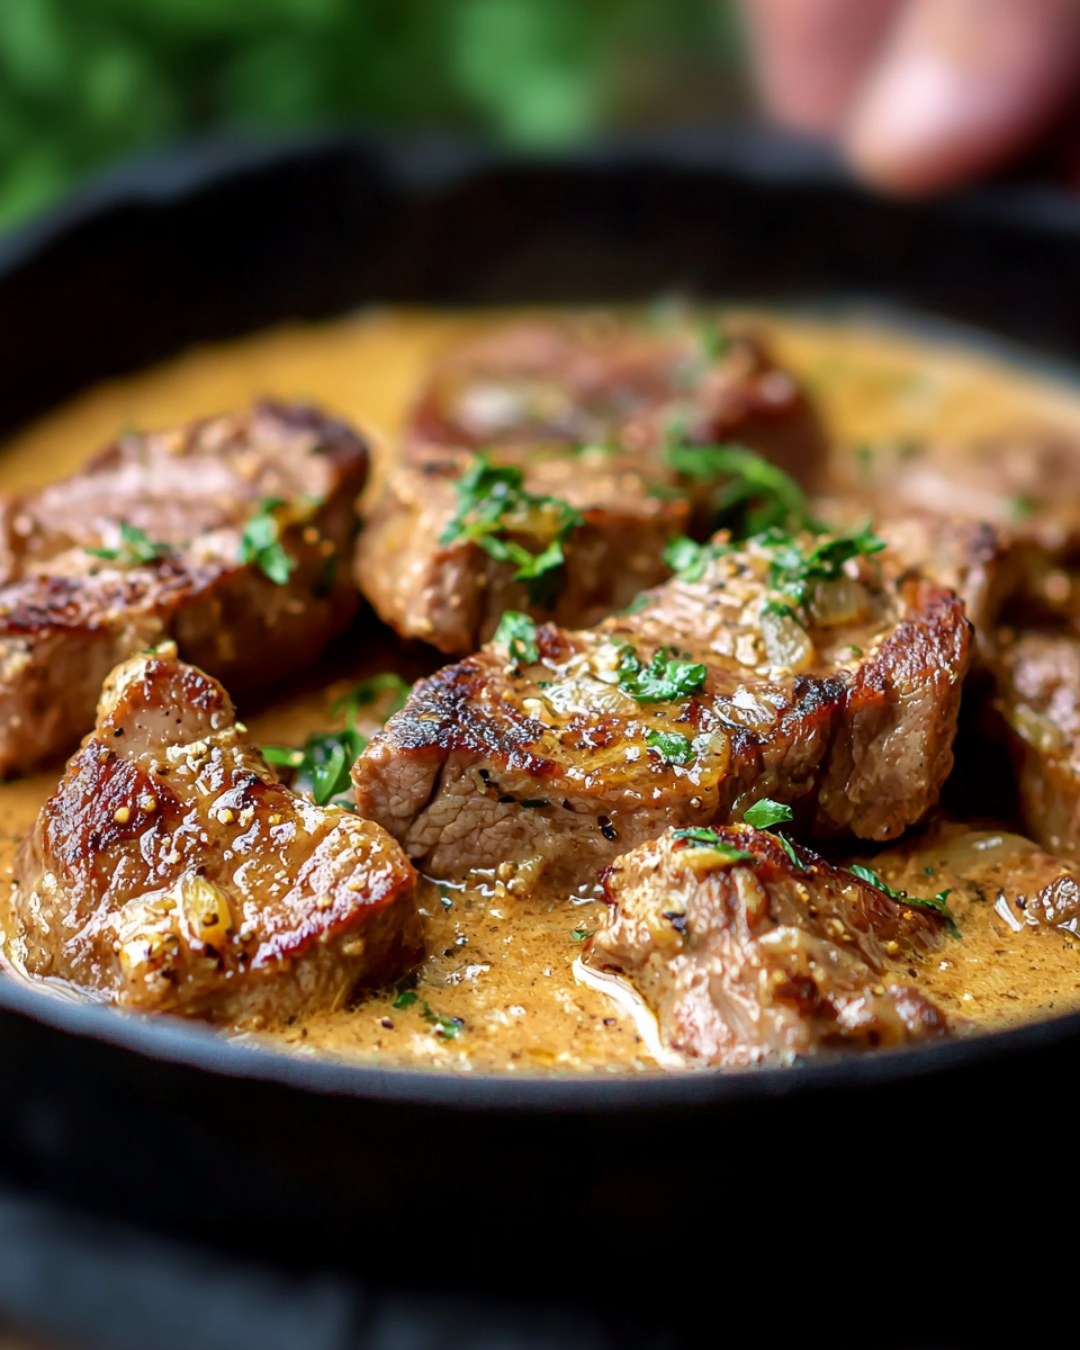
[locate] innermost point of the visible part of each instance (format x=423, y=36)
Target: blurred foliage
x=85, y=81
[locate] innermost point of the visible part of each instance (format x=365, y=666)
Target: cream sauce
x=503, y=956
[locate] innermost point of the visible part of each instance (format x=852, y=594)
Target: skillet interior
x=227, y=241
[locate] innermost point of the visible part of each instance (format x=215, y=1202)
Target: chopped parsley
x=700, y=837
x=582, y=934
x=789, y=848
x=938, y=903
x=796, y=570
x=446, y=1027
x=664, y=678
x=517, y=632
x=756, y=495
x=494, y=503
x=766, y=813
x=637, y=604
x=713, y=342
x=323, y=765
x=135, y=548
x=689, y=559
x=1022, y=507
x=671, y=746
x=261, y=544
x=372, y=690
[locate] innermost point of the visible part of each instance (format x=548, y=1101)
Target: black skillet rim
x=162, y=180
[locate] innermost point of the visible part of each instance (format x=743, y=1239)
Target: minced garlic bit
x=122, y=815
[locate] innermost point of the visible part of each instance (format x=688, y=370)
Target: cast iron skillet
x=166, y=1123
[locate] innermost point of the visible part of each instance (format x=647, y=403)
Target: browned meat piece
x=746, y=955
x=1027, y=485
x=601, y=425
x=172, y=872
x=725, y=687
x=1039, y=697
x=604, y=380
x=452, y=594
x=976, y=560
x=224, y=535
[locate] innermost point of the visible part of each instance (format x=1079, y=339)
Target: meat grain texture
x=588, y=413
x=578, y=755
x=748, y=954
x=169, y=511
x=1039, y=701
x=171, y=872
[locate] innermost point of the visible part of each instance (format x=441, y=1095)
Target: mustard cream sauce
x=502, y=987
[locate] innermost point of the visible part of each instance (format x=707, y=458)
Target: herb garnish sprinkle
x=756, y=496
x=671, y=746
x=703, y=838
x=766, y=813
x=666, y=677
x=260, y=543
x=135, y=547
x=518, y=634
x=322, y=766
x=494, y=503
x=938, y=903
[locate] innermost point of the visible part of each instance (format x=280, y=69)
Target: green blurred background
x=84, y=82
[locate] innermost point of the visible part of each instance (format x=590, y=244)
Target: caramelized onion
x=787, y=643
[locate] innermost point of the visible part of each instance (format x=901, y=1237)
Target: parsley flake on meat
x=756, y=496
x=518, y=633
x=688, y=558
x=671, y=746
x=766, y=813
x=135, y=547
x=795, y=571
x=938, y=903
x=700, y=837
x=494, y=503
x=663, y=679
x=260, y=543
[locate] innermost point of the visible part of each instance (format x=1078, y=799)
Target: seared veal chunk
x=978, y=561
x=592, y=438
x=602, y=380
x=430, y=581
x=1039, y=697
x=746, y=955
x=172, y=872
x=997, y=520
x=1026, y=484
x=773, y=669
x=224, y=535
